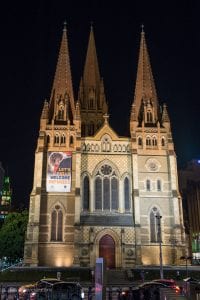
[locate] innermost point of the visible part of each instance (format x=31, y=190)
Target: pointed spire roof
x=91, y=74
x=165, y=115
x=145, y=86
x=62, y=85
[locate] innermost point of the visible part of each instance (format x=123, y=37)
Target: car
x=170, y=283
x=151, y=289
x=57, y=289
x=25, y=290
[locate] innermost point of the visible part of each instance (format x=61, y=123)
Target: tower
x=56, y=187
x=91, y=92
x=96, y=194
x=155, y=181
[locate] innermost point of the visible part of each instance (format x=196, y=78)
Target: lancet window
x=86, y=193
x=126, y=194
x=155, y=233
x=106, y=189
x=56, y=224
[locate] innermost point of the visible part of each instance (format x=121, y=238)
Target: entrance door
x=107, y=250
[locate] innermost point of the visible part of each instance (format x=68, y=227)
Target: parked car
x=170, y=283
x=57, y=289
x=25, y=290
x=151, y=289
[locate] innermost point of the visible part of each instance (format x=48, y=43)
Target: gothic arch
x=153, y=223
x=106, y=162
x=56, y=229
x=115, y=237
x=83, y=176
x=58, y=203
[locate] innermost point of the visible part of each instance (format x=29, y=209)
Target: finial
x=91, y=24
x=106, y=118
x=142, y=26
x=65, y=26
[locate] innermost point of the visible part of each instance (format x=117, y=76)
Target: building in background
x=95, y=193
x=2, y=172
x=6, y=198
x=189, y=179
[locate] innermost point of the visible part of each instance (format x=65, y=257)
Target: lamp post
x=158, y=217
x=186, y=258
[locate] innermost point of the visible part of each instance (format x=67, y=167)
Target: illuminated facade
x=102, y=202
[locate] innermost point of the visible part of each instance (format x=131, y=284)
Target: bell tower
x=55, y=193
x=155, y=181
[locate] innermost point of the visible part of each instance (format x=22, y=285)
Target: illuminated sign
x=58, y=171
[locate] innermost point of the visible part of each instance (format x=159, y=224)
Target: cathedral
x=98, y=194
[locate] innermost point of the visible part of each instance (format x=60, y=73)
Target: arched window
x=86, y=193
x=63, y=139
x=148, y=141
x=155, y=230
x=91, y=98
x=154, y=141
x=148, y=185
x=140, y=141
x=56, y=224
x=61, y=113
x=71, y=140
x=115, y=193
x=106, y=193
x=56, y=139
x=98, y=193
x=106, y=189
x=158, y=185
x=126, y=194
x=106, y=144
x=48, y=139
x=163, y=142
x=149, y=117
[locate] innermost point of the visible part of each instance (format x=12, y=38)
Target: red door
x=107, y=250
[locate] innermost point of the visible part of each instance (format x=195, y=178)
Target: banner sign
x=59, y=166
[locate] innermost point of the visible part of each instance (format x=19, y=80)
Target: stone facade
x=117, y=187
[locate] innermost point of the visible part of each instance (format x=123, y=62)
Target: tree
x=12, y=236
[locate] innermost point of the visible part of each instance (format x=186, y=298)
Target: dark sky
x=30, y=38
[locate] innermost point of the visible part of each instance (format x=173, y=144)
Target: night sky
x=30, y=38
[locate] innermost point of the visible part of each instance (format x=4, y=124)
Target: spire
x=45, y=111
x=165, y=116
x=91, y=91
x=145, y=86
x=91, y=75
x=62, y=85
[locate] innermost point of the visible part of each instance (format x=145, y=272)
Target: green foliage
x=12, y=235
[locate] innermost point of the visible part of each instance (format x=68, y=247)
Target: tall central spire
x=62, y=85
x=91, y=74
x=91, y=92
x=145, y=86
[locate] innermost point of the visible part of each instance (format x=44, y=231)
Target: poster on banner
x=59, y=171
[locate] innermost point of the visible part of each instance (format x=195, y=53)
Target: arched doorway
x=107, y=250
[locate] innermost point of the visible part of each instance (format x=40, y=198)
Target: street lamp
x=186, y=258
x=158, y=217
